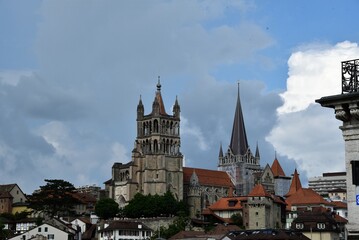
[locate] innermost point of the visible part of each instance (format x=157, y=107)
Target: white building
x=124, y=230
x=327, y=182
x=46, y=231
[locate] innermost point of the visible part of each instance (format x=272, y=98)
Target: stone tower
x=238, y=161
x=346, y=109
x=157, y=149
x=157, y=162
x=193, y=196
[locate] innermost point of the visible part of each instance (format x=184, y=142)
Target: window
x=321, y=225
x=39, y=229
x=299, y=225
x=45, y=229
x=50, y=236
x=256, y=213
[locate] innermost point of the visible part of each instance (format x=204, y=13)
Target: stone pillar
x=346, y=108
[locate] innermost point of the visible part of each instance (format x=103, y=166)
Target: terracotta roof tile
x=295, y=184
x=340, y=219
x=305, y=196
x=259, y=191
x=339, y=204
x=228, y=203
x=277, y=169
x=208, y=177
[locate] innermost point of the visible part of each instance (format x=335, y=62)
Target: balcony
x=350, y=81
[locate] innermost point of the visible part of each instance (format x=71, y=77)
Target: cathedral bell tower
x=238, y=161
x=157, y=156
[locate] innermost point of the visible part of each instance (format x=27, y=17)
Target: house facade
x=258, y=210
x=47, y=231
x=124, y=230
x=11, y=198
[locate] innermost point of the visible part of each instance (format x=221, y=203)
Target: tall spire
x=220, y=151
x=295, y=185
x=239, y=143
x=257, y=151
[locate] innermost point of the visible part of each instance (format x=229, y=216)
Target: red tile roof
x=339, y=204
x=208, y=177
x=277, y=169
x=228, y=203
x=307, y=197
x=295, y=184
x=259, y=191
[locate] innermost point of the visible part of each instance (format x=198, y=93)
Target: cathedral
x=238, y=161
x=157, y=163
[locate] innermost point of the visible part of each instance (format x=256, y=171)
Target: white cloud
x=306, y=132
x=315, y=72
x=195, y=131
x=119, y=153
x=76, y=113
x=12, y=77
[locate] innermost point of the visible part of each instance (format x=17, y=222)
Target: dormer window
x=299, y=225
x=232, y=202
x=321, y=225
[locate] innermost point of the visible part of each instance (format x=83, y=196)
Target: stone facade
x=203, y=187
x=156, y=165
x=238, y=161
x=347, y=110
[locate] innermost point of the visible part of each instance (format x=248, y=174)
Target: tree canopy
x=152, y=206
x=55, y=198
x=106, y=208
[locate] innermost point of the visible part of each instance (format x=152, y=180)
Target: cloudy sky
x=72, y=72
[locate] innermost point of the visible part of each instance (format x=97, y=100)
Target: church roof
x=158, y=98
x=207, y=177
x=239, y=143
x=295, y=184
x=277, y=169
x=259, y=191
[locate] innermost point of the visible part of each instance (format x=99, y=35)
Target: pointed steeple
x=220, y=151
x=194, y=181
x=158, y=102
x=176, y=109
x=277, y=168
x=257, y=152
x=295, y=185
x=239, y=143
x=140, y=109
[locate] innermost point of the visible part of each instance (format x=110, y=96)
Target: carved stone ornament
x=354, y=111
x=341, y=114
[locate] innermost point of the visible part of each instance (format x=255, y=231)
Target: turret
x=176, y=109
x=140, y=110
x=257, y=156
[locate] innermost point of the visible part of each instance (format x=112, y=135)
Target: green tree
x=237, y=220
x=178, y=225
x=55, y=198
x=153, y=206
x=106, y=208
x=4, y=233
